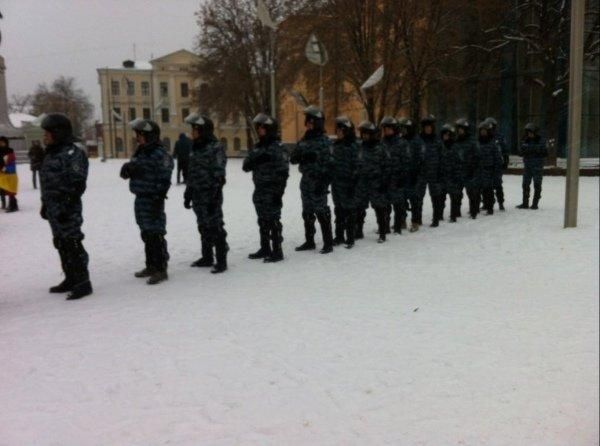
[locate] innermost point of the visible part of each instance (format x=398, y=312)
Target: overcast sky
x=43, y=39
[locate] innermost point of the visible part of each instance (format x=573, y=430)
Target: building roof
x=140, y=65
x=19, y=119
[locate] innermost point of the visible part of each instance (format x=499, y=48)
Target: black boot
x=3, y=199
x=441, y=207
x=276, y=235
x=12, y=204
x=265, y=247
x=350, y=228
x=326, y=231
x=78, y=270
x=207, y=259
x=159, y=259
x=221, y=249
x=525, y=204
x=537, y=194
x=398, y=218
x=360, y=223
x=66, y=285
x=380, y=214
x=388, y=219
x=148, y=270
x=340, y=216
x=309, y=232
x=435, y=222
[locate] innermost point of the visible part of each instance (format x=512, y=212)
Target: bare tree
x=63, y=96
x=20, y=103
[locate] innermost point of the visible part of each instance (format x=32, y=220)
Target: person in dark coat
x=500, y=142
x=344, y=181
x=534, y=152
x=453, y=170
x=374, y=174
x=181, y=153
x=204, y=192
x=63, y=180
x=415, y=172
x=400, y=164
x=471, y=164
x=149, y=173
x=312, y=154
x=36, y=156
x=269, y=163
x=491, y=160
x=432, y=169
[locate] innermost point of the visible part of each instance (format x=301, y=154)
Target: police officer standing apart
x=453, y=170
x=344, y=181
x=491, y=161
x=269, y=163
x=400, y=161
x=432, y=169
x=374, y=169
x=500, y=142
x=534, y=152
x=63, y=180
x=313, y=155
x=149, y=174
x=471, y=164
x=417, y=153
x=204, y=192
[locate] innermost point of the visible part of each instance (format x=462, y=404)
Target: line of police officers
x=390, y=169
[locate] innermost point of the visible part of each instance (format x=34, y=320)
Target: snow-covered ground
x=479, y=333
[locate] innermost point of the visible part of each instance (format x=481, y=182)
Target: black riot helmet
x=492, y=121
x=146, y=127
x=448, y=128
x=428, y=121
x=488, y=127
x=314, y=115
x=531, y=127
x=407, y=127
x=346, y=126
x=59, y=126
x=390, y=122
x=464, y=124
x=268, y=123
x=203, y=124
x=368, y=131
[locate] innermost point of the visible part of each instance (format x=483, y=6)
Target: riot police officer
x=500, y=142
x=415, y=172
x=313, y=156
x=63, y=180
x=149, y=174
x=491, y=160
x=534, y=152
x=374, y=164
x=400, y=161
x=344, y=181
x=432, y=168
x=471, y=164
x=204, y=192
x=269, y=163
x=453, y=171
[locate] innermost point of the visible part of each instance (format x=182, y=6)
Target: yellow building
x=161, y=90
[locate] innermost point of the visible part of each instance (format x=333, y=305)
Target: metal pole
x=321, y=93
x=575, y=111
x=273, y=99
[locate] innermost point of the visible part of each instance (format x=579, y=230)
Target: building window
x=237, y=144
x=132, y=114
x=167, y=143
x=185, y=112
x=224, y=142
x=146, y=113
x=164, y=90
x=185, y=90
x=130, y=87
x=145, y=88
x=164, y=114
x=117, y=114
x=119, y=144
x=115, y=88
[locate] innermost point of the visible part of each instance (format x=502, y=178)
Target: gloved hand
x=221, y=181
x=187, y=199
x=43, y=212
x=125, y=171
